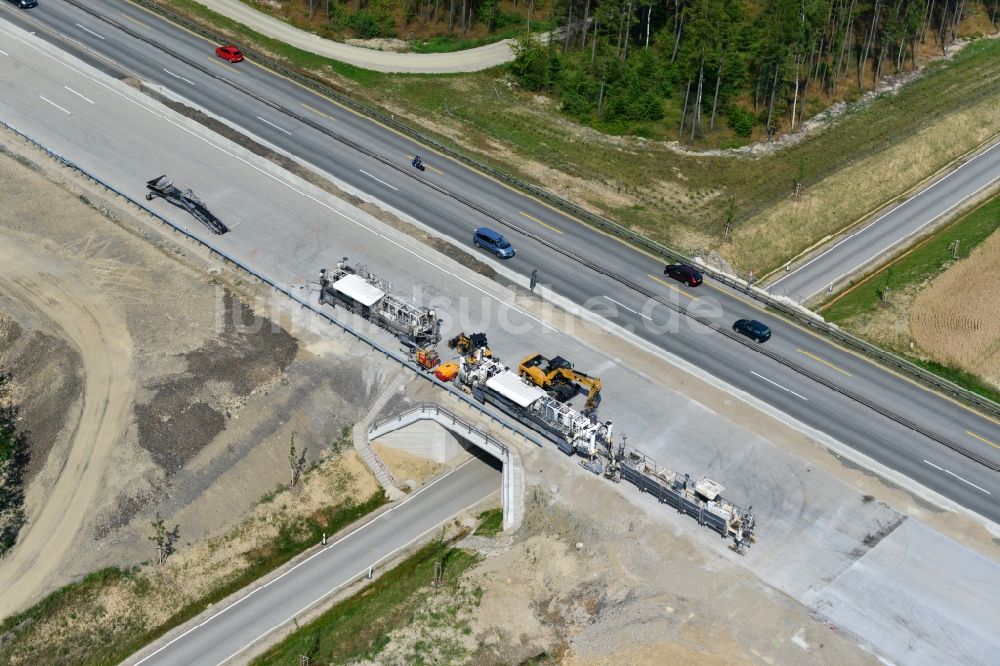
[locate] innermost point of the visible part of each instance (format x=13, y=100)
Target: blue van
x=494, y=242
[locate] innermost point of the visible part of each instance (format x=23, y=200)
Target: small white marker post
x=371, y=571
x=324, y=538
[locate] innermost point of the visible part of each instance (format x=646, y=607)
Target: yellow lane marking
x=318, y=112
x=614, y=238
x=136, y=21
x=824, y=362
x=670, y=286
x=437, y=171
x=981, y=439
x=862, y=357
x=535, y=219
x=220, y=61
x=732, y=294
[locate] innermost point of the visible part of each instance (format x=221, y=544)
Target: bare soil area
x=408, y=469
x=150, y=380
x=124, y=607
x=956, y=319
x=609, y=585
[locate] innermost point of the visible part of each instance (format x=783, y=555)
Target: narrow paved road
x=305, y=125
x=469, y=60
x=223, y=634
x=835, y=264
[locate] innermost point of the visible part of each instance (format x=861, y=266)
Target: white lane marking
x=337, y=587
x=282, y=129
x=378, y=179
x=178, y=76
x=55, y=105
x=628, y=308
x=4, y=53
x=900, y=240
x=277, y=179
x=78, y=94
x=948, y=471
x=890, y=212
x=317, y=553
x=89, y=30
x=780, y=386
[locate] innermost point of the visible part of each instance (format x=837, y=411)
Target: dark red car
x=230, y=53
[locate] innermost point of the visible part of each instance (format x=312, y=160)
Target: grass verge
x=359, y=627
x=71, y=604
x=929, y=258
x=910, y=273
x=677, y=198
x=490, y=523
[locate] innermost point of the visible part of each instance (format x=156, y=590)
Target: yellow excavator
x=560, y=379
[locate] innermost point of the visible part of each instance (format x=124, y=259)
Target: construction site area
x=652, y=513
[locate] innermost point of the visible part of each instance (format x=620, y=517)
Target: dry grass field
x=956, y=320
x=780, y=232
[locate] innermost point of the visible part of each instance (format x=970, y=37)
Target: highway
x=229, y=630
x=837, y=262
x=222, y=89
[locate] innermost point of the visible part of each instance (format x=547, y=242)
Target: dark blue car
x=753, y=329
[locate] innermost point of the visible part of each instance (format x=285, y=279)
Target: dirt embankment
x=150, y=380
x=590, y=578
x=45, y=382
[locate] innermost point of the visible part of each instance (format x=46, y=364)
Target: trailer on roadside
x=186, y=199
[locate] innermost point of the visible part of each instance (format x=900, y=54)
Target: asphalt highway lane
x=226, y=634
x=811, y=403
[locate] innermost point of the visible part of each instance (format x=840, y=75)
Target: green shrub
x=741, y=121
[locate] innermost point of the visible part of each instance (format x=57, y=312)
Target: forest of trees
x=620, y=64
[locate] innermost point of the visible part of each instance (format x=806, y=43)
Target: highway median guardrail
x=395, y=356
x=795, y=313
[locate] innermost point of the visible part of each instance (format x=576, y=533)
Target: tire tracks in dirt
x=37, y=280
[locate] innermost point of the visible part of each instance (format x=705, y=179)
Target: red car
x=230, y=53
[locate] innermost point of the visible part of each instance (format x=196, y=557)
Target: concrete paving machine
x=367, y=296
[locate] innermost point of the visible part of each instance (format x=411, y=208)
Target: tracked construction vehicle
x=366, y=295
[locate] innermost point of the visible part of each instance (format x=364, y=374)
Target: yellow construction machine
x=465, y=344
x=559, y=378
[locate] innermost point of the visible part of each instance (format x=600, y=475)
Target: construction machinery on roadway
x=164, y=187
x=490, y=381
x=560, y=379
x=369, y=297
x=465, y=344
x=529, y=396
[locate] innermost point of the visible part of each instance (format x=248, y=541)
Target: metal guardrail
x=803, y=317
x=403, y=361
x=434, y=408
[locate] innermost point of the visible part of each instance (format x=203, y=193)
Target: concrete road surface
x=224, y=633
x=198, y=76
x=812, y=525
